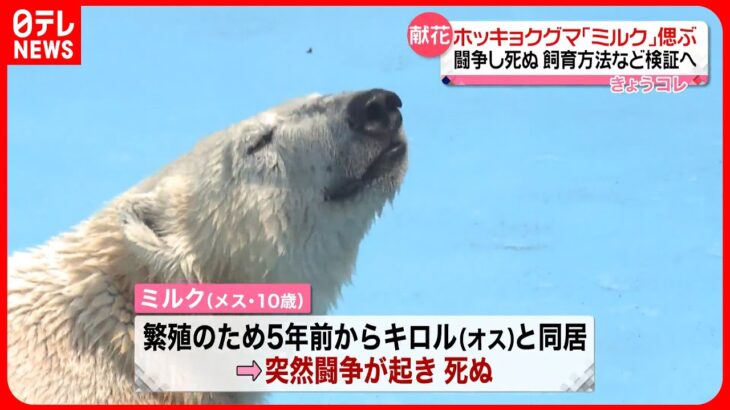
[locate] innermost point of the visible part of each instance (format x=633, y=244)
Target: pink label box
x=222, y=298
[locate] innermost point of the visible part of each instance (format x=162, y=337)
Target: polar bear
x=285, y=196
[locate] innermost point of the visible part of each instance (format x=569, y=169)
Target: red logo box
x=42, y=33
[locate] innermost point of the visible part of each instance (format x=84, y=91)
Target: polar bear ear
x=140, y=218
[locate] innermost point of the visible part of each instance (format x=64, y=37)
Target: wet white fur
x=217, y=214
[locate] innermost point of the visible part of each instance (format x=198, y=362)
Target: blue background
x=519, y=200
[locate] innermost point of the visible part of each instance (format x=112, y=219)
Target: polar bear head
x=286, y=195
x=341, y=152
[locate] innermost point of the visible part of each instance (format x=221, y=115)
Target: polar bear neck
x=292, y=241
x=308, y=247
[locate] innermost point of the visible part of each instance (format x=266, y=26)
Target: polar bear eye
x=263, y=141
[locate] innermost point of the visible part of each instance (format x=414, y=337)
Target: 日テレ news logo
x=44, y=34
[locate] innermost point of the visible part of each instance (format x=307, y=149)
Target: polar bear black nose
x=375, y=113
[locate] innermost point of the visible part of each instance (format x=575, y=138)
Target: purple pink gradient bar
x=222, y=298
x=557, y=79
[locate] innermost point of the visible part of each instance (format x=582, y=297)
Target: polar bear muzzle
x=373, y=114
